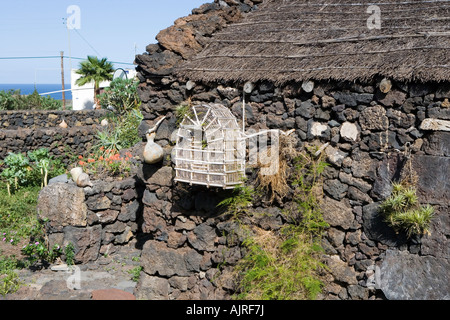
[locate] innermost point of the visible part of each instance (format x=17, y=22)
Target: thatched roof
x=300, y=40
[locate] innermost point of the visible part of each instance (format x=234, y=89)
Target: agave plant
x=108, y=141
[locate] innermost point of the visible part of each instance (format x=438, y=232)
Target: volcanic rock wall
x=368, y=136
x=27, y=130
x=189, y=247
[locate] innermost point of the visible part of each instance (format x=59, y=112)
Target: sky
x=114, y=29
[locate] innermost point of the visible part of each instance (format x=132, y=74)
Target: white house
x=83, y=97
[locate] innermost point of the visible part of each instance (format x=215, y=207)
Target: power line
x=86, y=42
x=57, y=57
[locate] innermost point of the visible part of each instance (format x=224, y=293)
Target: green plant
x=18, y=213
x=16, y=172
x=181, y=111
x=127, y=128
x=38, y=251
x=9, y=280
x=121, y=96
x=135, y=273
x=308, y=192
x=241, y=198
x=8, y=100
x=280, y=266
x=69, y=252
x=286, y=264
x=109, y=140
x=38, y=167
x=403, y=212
x=41, y=159
x=14, y=100
x=106, y=162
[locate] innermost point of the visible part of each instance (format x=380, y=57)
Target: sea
x=41, y=88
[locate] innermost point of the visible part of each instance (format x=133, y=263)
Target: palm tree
x=95, y=70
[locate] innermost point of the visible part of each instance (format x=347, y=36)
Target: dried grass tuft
x=275, y=184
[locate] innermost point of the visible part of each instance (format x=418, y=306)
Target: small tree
x=95, y=70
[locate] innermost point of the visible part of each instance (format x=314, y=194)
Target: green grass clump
x=18, y=217
x=280, y=266
x=403, y=212
x=284, y=264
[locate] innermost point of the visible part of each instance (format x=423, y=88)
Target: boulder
x=433, y=179
x=341, y=271
x=152, y=288
x=203, y=237
x=435, y=125
x=405, y=276
x=377, y=230
x=63, y=205
x=162, y=177
x=158, y=258
x=86, y=242
x=318, y=129
x=335, y=156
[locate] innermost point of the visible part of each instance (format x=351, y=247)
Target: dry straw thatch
x=293, y=40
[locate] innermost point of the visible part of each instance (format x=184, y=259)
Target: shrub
x=122, y=133
x=121, y=96
x=14, y=100
x=280, y=267
x=34, y=169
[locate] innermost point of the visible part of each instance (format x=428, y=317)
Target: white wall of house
x=83, y=97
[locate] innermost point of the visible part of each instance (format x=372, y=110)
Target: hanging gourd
x=153, y=152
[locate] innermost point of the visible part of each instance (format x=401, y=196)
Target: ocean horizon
x=26, y=89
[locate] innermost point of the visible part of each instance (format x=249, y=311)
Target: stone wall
x=65, y=143
x=33, y=119
x=23, y=131
x=94, y=219
x=367, y=133
x=189, y=248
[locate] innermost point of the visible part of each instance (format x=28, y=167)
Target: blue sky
x=108, y=28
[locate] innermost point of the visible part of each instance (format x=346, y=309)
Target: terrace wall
x=23, y=131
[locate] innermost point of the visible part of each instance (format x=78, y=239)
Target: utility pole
x=62, y=80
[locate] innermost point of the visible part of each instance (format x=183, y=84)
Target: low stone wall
x=65, y=143
x=33, y=119
x=94, y=219
x=28, y=130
